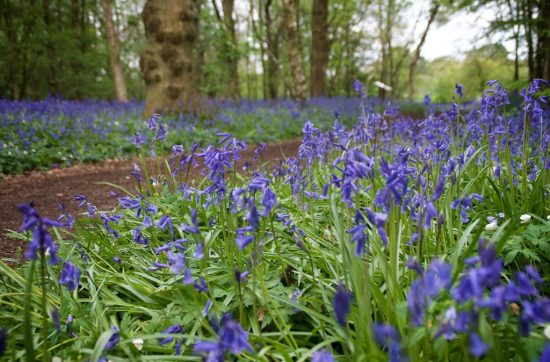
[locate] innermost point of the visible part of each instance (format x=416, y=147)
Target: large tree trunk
x=296, y=67
x=169, y=62
x=114, y=53
x=320, y=47
x=416, y=55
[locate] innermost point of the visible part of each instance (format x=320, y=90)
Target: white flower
x=547, y=331
x=58, y=359
x=492, y=226
x=501, y=215
x=548, y=218
x=138, y=343
x=525, y=218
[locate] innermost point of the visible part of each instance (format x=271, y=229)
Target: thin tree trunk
x=296, y=67
x=542, y=68
x=527, y=19
x=232, y=49
x=320, y=47
x=169, y=63
x=51, y=76
x=114, y=53
x=416, y=54
x=272, y=53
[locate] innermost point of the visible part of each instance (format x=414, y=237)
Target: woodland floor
x=50, y=188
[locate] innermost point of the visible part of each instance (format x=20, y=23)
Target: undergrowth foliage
x=396, y=239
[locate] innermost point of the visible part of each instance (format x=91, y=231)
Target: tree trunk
x=114, y=53
x=527, y=19
x=542, y=59
x=231, y=48
x=272, y=53
x=320, y=47
x=416, y=55
x=51, y=76
x=296, y=67
x=169, y=62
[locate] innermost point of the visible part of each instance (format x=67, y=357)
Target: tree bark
x=272, y=53
x=320, y=47
x=416, y=55
x=114, y=53
x=296, y=67
x=51, y=76
x=169, y=63
x=231, y=48
x=542, y=58
x=527, y=19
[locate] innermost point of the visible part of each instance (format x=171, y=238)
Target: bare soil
x=50, y=188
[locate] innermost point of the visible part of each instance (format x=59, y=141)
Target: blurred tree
x=529, y=21
x=170, y=60
x=114, y=52
x=320, y=47
x=230, y=49
x=416, y=54
x=292, y=42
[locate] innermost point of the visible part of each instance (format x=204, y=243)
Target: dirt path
x=48, y=189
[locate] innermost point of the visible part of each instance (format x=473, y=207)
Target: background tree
x=114, y=52
x=291, y=34
x=416, y=54
x=168, y=63
x=320, y=47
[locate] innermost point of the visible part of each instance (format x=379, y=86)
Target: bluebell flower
x=341, y=304
x=68, y=323
x=138, y=236
x=387, y=338
x=359, y=88
x=152, y=122
x=81, y=199
x=42, y=241
x=201, y=285
x=70, y=276
x=241, y=276
x=231, y=337
x=188, y=277
x=358, y=233
x=459, y=89
x=113, y=340
x=164, y=221
x=242, y=240
x=175, y=329
x=544, y=357
x=56, y=319
x=378, y=219
x=436, y=278
x=269, y=201
x=194, y=227
x=206, y=308
x=322, y=355
x=199, y=252
x=477, y=347
x=427, y=100
x=139, y=139
x=297, y=293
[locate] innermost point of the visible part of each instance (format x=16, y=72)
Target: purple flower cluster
x=480, y=289
x=231, y=337
x=70, y=276
x=41, y=239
